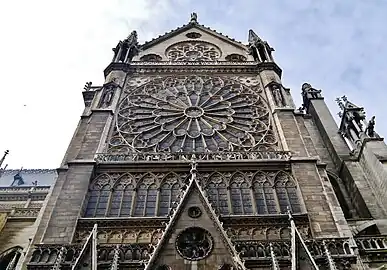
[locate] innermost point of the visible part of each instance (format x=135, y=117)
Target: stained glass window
x=102, y=203
x=116, y=201
x=268, y=198
x=192, y=114
x=150, y=209
x=141, y=196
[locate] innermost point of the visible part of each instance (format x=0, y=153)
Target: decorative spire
x=253, y=37
x=340, y=104
x=194, y=17
x=259, y=49
x=6, y=152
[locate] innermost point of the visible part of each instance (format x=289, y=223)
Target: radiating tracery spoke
x=193, y=114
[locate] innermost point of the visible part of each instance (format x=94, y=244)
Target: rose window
x=193, y=51
x=194, y=243
x=192, y=114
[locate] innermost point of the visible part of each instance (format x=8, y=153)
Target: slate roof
x=44, y=177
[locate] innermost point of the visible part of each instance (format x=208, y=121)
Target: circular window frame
x=209, y=239
x=194, y=212
x=193, y=35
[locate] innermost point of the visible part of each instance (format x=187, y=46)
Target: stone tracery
x=192, y=114
x=251, y=193
x=193, y=51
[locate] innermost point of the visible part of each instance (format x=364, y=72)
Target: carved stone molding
x=194, y=67
x=210, y=156
x=122, y=236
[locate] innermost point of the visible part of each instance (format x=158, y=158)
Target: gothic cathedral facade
x=193, y=155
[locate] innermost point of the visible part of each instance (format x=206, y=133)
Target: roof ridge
x=28, y=170
x=185, y=27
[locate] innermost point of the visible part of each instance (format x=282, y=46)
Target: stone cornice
x=189, y=67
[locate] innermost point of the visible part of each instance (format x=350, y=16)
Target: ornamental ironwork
x=193, y=51
x=193, y=114
x=194, y=243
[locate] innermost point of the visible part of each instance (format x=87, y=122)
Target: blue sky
x=49, y=49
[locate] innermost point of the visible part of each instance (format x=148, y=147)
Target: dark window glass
x=140, y=200
x=102, y=201
x=92, y=203
x=151, y=200
x=165, y=196
x=116, y=201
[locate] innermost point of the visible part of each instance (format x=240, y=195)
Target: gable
x=216, y=251
x=196, y=34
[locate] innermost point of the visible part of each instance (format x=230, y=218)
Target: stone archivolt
x=193, y=114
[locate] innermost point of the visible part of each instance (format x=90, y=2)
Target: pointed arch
x=168, y=193
x=341, y=192
x=10, y=257
x=146, y=196
x=122, y=196
x=240, y=194
x=263, y=194
x=98, y=196
x=217, y=193
x=286, y=191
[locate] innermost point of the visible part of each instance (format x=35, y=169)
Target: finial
x=194, y=17
x=6, y=152
x=87, y=86
x=340, y=102
x=344, y=98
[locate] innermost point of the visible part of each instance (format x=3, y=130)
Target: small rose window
x=194, y=243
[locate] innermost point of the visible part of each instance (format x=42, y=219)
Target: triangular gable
x=193, y=25
x=195, y=194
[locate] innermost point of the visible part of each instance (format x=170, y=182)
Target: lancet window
x=133, y=195
x=252, y=194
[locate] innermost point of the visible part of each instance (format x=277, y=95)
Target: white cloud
x=49, y=49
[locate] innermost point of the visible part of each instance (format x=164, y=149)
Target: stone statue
x=194, y=17
x=107, y=96
x=309, y=91
x=276, y=90
x=371, y=127
x=132, y=44
x=132, y=39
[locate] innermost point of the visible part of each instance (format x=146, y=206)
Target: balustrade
x=221, y=156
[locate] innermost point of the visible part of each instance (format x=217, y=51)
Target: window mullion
x=241, y=199
x=278, y=207
x=229, y=201
x=108, y=203
x=158, y=196
x=134, y=201
x=253, y=201
x=264, y=198
x=97, y=203
x=121, y=201
x=145, y=202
